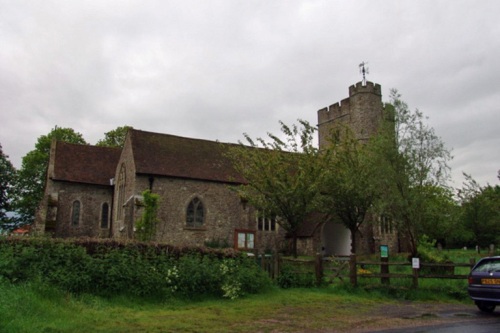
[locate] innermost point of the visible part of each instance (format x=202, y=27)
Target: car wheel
x=486, y=307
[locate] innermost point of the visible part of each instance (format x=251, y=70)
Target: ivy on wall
x=146, y=225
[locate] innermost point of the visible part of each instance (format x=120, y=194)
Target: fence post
x=472, y=262
x=415, y=278
x=384, y=269
x=277, y=268
x=352, y=270
x=319, y=269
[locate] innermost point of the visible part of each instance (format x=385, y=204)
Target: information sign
x=415, y=263
x=384, y=251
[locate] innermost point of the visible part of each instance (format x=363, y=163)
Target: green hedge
x=108, y=267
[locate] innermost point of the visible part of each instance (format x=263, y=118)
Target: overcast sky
x=217, y=69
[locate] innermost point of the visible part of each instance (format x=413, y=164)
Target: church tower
x=362, y=111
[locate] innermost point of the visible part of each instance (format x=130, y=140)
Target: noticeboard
x=384, y=251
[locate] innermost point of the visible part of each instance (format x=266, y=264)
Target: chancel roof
x=84, y=163
x=181, y=157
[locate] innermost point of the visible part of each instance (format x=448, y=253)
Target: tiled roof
x=310, y=224
x=84, y=163
x=175, y=156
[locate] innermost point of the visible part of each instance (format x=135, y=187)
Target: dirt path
x=360, y=318
x=413, y=314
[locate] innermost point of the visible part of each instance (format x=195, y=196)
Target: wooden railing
x=425, y=271
x=349, y=268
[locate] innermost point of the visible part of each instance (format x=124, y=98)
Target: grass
x=428, y=288
x=36, y=308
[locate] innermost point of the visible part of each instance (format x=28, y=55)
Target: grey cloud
x=217, y=69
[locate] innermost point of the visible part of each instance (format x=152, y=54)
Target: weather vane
x=363, y=69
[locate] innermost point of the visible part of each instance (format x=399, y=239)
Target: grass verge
x=37, y=308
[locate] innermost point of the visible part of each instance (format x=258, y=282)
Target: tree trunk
x=294, y=245
x=353, y=241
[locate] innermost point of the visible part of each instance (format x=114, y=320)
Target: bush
x=230, y=278
x=134, y=269
x=128, y=271
x=196, y=276
x=428, y=254
x=293, y=277
x=57, y=263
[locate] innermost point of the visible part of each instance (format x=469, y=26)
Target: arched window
x=104, y=215
x=121, y=192
x=75, y=213
x=195, y=214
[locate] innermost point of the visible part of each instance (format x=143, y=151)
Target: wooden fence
x=350, y=268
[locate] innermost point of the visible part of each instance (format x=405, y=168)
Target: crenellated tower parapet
x=361, y=111
x=334, y=111
x=370, y=88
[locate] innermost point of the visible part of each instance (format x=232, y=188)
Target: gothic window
x=75, y=213
x=104, y=215
x=195, y=214
x=121, y=192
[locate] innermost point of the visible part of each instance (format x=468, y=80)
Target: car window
x=488, y=266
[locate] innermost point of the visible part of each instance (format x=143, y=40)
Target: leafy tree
x=7, y=188
x=348, y=190
x=411, y=158
x=33, y=172
x=440, y=220
x=480, y=212
x=114, y=138
x=283, y=176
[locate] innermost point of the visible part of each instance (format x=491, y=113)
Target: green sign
x=384, y=251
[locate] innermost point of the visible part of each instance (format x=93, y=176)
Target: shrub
x=427, y=251
x=250, y=276
x=193, y=276
x=428, y=254
x=197, y=276
x=292, y=277
x=136, y=269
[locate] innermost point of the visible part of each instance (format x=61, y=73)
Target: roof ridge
x=181, y=137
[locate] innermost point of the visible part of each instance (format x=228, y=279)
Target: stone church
x=97, y=191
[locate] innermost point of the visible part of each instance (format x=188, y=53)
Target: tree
x=33, y=172
x=114, y=138
x=348, y=190
x=7, y=188
x=282, y=176
x=411, y=158
x=480, y=212
x=440, y=220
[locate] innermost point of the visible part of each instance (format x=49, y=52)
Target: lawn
x=31, y=308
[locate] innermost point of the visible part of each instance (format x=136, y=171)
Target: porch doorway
x=335, y=239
